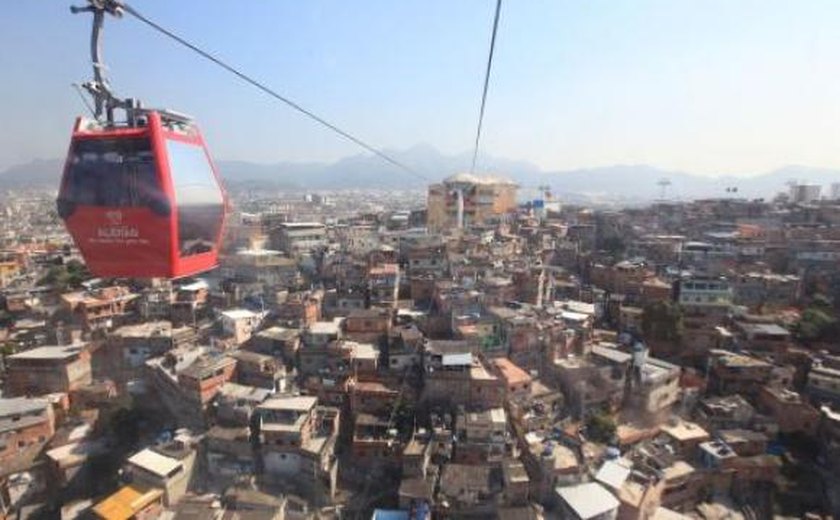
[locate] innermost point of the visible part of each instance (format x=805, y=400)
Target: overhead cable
x=486, y=83
x=271, y=92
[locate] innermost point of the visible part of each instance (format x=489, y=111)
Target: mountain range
x=628, y=183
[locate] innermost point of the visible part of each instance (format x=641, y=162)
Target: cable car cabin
x=143, y=201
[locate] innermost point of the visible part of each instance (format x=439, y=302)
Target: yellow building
x=11, y=265
x=131, y=503
x=463, y=200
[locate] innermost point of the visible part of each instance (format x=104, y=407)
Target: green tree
x=124, y=425
x=53, y=276
x=404, y=418
x=77, y=272
x=66, y=276
x=662, y=321
x=817, y=323
x=613, y=245
x=6, y=319
x=7, y=349
x=601, y=427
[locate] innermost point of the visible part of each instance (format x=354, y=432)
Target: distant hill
x=614, y=183
x=35, y=174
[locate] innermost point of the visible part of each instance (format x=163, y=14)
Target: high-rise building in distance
x=464, y=199
x=805, y=193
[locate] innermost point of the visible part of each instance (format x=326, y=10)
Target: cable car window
x=197, y=196
x=112, y=173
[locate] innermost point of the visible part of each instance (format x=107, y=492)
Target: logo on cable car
x=114, y=217
x=115, y=230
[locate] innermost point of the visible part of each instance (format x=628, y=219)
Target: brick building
x=45, y=370
x=297, y=439
x=26, y=425
x=201, y=381
x=100, y=309
x=789, y=410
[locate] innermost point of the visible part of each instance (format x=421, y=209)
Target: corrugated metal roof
x=154, y=462
x=588, y=500
x=126, y=502
x=613, y=473
x=457, y=359
x=301, y=403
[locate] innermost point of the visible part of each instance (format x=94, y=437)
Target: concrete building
x=464, y=200
x=26, y=425
x=300, y=309
x=656, y=386
x=718, y=413
x=130, y=346
x=229, y=452
x=454, y=376
x=468, y=489
x=368, y=325
x=517, y=381
x=277, y=342
x=100, y=309
x=764, y=338
x=235, y=403
x=824, y=384
x=264, y=266
x=375, y=442
x=405, y=348
x=384, y=285
x=733, y=373
x=590, y=501
x=766, y=291
x=320, y=333
x=789, y=409
x=240, y=324
x=168, y=468
x=705, y=291
x=45, y=370
x=261, y=371
x=829, y=436
x=200, y=382
x=187, y=379
x=683, y=436
x=297, y=439
x=482, y=436
x=295, y=238
x=805, y=193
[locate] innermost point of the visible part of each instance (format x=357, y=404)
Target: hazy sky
x=706, y=86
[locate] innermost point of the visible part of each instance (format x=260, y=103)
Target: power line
x=486, y=83
x=84, y=100
x=253, y=82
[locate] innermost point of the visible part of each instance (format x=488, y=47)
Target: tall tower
x=663, y=184
x=458, y=191
x=459, y=185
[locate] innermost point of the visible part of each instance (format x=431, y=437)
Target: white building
x=805, y=193
x=300, y=237
x=705, y=291
x=590, y=501
x=172, y=474
x=240, y=324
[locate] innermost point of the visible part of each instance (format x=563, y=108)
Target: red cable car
x=141, y=197
x=143, y=201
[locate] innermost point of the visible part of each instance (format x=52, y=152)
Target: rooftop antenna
x=663, y=184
